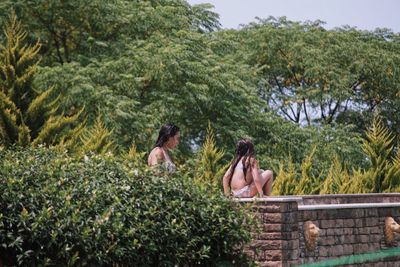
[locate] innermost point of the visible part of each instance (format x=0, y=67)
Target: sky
x=363, y=14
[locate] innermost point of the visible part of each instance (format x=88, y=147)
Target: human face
x=173, y=141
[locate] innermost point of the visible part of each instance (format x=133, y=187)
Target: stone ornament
x=391, y=227
x=311, y=234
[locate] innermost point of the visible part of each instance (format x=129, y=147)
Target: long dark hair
x=166, y=131
x=244, y=151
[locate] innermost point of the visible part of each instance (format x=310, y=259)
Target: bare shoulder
x=155, y=155
x=156, y=151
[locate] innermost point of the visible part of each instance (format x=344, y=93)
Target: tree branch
x=305, y=111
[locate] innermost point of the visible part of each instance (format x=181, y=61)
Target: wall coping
x=269, y=199
x=356, y=200
x=349, y=195
x=349, y=206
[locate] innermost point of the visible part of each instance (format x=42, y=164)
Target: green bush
x=59, y=210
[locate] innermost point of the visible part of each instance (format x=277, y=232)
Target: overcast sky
x=363, y=14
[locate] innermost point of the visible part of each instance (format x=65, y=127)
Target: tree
x=80, y=30
x=167, y=64
x=208, y=166
x=163, y=79
x=384, y=173
x=26, y=114
x=98, y=139
x=310, y=75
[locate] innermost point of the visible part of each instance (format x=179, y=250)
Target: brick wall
x=352, y=225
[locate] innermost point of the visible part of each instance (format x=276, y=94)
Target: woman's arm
x=256, y=176
x=225, y=182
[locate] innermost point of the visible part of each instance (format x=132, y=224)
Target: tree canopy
x=290, y=86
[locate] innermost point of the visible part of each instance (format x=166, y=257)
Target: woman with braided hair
x=244, y=178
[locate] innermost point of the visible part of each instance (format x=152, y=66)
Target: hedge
x=61, y=210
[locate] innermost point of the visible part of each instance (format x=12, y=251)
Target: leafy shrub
x=208, y=169
x=382, y=174
x=62, y=211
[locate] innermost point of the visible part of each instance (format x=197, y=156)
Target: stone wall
x=349, y=225
x=277, y=242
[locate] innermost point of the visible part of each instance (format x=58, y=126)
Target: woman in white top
x=244, y=178
x=168, y=138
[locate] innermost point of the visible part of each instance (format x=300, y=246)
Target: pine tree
x=309, y=183
x=97, y=139
x=391, y=182
x=285, y=181
x=337, y=180
x=384, y=172
x=209, y=169
x=378, y=146
x=135, y=157
x=27, y=115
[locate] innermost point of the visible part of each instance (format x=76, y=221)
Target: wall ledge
x=349, y=206
x=269, y=199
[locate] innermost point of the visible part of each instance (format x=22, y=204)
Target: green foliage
x=161, y=79
x=93, y=211
x=382, y=174
x=98, y=29
x=297, y=181
x=180, y=73
x=57, y=128
x=378, y=147
x=309, y=184
x=208, y=164
x=26, y=115
x=285, y=180
x=290, y=86
x=135, y=158
x=391, y=182
x=276, y=138
x=337, y=180
x=98, y=139
x=361, y=182
x=311, y=75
